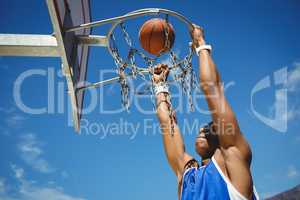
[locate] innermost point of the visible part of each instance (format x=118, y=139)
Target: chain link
x=126, y=35
x=184, y=73
x=166, y=31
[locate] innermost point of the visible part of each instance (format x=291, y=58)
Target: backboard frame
x=75, y=70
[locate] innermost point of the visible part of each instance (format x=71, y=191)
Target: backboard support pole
x=41, y=45
x=92, y=40
x=28, y=45
x=108, y=81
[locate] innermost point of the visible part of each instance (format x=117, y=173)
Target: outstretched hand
x=160, y=73
x=197, y=35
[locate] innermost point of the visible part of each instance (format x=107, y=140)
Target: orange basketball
x=153, y=36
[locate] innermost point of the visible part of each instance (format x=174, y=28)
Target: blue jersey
x=209, y=183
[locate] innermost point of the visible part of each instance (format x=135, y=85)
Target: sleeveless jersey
x=209, y=183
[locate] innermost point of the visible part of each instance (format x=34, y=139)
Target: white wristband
x=206, y=47
x=160, y=87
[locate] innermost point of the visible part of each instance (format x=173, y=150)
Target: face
x=206, y=142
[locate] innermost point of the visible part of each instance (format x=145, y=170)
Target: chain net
x=182, y=68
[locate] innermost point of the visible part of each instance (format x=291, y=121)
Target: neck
x=205, y=161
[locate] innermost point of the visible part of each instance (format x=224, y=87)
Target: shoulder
x=190, y=162
x=241, y=150
x=235, y=169
x=186, y=160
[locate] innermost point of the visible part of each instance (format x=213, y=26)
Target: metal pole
x=28, y=45
x=107, y=21
x=92, y=40
x=107, y=81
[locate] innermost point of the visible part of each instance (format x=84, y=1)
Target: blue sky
x=41, y=156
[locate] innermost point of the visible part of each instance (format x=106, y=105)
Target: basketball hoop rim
x=141, y=13
x=117, y=21
x=165, y=11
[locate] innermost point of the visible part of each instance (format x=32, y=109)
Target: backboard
x=71, y=38
x=65, y=14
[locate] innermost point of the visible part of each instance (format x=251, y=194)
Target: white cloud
x=2, y=185
x=293, y=79
x=31, y=192
x=9, y=110
x=32, y=154
x=292, y=172
x=19, y=172
x=64, y=174
x=293, y=87
x=51, y=182
x=293, y=113
x=279, y=106
x=12, y=118
x=28, y=190
x=267, y=194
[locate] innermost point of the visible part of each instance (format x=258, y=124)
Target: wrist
x=200, y=42
x=203, y=48
x=162, y=99
x=161, y=96
x=161, y=87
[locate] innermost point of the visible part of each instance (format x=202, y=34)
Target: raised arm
x=172, y=139
x=225, y=122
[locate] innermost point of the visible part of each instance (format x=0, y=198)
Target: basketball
x=153, y=37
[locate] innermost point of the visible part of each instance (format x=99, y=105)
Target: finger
x=151, y=70
x=193, y=29
x=157, y=67
x=164, y=66
x=196, y=26
x=157, y=70
x=161, y=66
x=168, y=70
x=152, y=78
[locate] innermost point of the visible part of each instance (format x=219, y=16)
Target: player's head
x=206, y=141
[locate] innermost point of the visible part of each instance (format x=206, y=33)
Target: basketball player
x=224, y=172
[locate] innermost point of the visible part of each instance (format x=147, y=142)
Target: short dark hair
x=210, y=132
x=208, y=128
